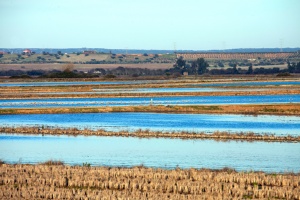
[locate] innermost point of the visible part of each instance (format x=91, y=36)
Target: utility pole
x=281, y=44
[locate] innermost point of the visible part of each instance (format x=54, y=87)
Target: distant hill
x=148, y=51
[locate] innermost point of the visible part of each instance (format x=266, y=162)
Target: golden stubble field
x=53, y=180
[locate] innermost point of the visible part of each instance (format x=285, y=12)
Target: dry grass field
x=52, y=180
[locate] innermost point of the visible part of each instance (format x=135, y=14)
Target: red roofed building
x=2, y=52
x=27, y=51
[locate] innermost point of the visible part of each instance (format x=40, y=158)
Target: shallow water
x=156, y=152
x=133, y=101
x=279, y=125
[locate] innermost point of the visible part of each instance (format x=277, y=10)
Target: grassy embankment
x=53, y=180
x=269, y=109
x=217, y=135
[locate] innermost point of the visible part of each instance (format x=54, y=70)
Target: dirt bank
x=75, y=182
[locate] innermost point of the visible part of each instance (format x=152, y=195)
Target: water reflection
x=279, y=125
x=165, y=153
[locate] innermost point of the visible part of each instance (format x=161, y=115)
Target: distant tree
x=298, y=67
x=220, y=64
x=291, y=67
x=250, y=69
x=145, y=54
x=200, y=66
x=235, y=71
x=59, y=52
x=180, y=63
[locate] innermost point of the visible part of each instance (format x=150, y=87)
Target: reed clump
x=53, y=162
x=1, y=162
x=76, y=182
x=217, y=135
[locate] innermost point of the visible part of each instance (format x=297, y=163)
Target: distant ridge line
x=152, y=51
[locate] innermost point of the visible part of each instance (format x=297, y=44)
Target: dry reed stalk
x=74, y=182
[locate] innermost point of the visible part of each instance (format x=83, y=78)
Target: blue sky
x=145, y=24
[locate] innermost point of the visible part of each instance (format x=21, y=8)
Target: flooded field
x=164, y=153
x=279, y=125
x=129, y=101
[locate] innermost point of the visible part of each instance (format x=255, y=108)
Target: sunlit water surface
x=156, y=152
x=133, y=101
x=279, y=125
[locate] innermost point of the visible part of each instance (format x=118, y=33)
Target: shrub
x=53, y=162
x=284, y=74
x=109, y=76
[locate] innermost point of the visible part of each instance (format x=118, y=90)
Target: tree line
x=196, y=67
x=200, y=66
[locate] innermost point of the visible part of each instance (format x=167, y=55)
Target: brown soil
x=75, y=182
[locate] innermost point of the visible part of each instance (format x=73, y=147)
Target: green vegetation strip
x=217, y=135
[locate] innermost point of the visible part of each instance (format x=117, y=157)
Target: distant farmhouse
x=89, y=52
x=2, y=52
x=27, y=51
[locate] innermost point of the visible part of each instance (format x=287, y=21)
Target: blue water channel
x=134, y=101
x=156, y=152
x=278, y=125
